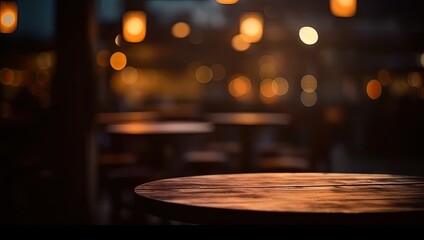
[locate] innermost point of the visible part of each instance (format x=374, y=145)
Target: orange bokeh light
x=251, y=26
x=374, y=89
x=7, y=76
x=239, y=44
x=343, y=8
x=266, y=88
x=8, y=17
x=180, y=30
x=134, y=26
x=239, y=86
x=227, y=1
x=280, y=86
x=118, y=60
x=204, y=74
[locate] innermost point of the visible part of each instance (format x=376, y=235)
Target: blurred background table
x=155, y=150
x=248, y=122
x=120, y=117
x=165, y=134
x=287, y=198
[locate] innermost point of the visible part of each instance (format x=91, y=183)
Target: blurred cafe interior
x=99, y=96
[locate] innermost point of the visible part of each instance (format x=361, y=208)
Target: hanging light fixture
x=134, y=26
x=343, y=8
x=8, y=16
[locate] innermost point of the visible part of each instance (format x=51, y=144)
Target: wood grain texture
x=288, y=198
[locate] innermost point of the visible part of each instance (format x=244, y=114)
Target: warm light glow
x=343, y=8
x=333, y=114
x=383, y=77
x=266, y=88
x=13, y=77
x=19, y=79
x=374, y=89
x=308, y=35
x=204, y=74
x=118, y=40
x=266, y=59
x=134, y=26
x=280, y=86
x=134, y=85
x=251, y=26
x=268, y=100
x=169, y=127
x=180, y=30
x=227, y=1
x=415, y=79
x=251, y=118
x=129, y=75
x=308, y=83
x=102, y=58
x=45, y=60
x=192, y=67
x=218, y=72
x=42, y=77
x=239, y=44
x=399, y=87
x=133, y=97
x=267, y=70
x=118, y=60
x=7, y=76
x=117, y=83
x=308, y=99
x=239, y=86
x=8, y=17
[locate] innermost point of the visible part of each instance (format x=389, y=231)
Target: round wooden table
x=286, y=198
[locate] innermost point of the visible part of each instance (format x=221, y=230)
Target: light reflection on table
x=168, y=127
x=119, y=117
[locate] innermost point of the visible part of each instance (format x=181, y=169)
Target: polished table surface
x=286, y=198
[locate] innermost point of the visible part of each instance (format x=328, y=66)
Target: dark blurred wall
x=73, y=96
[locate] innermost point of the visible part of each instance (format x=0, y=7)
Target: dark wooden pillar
x=73, y=102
